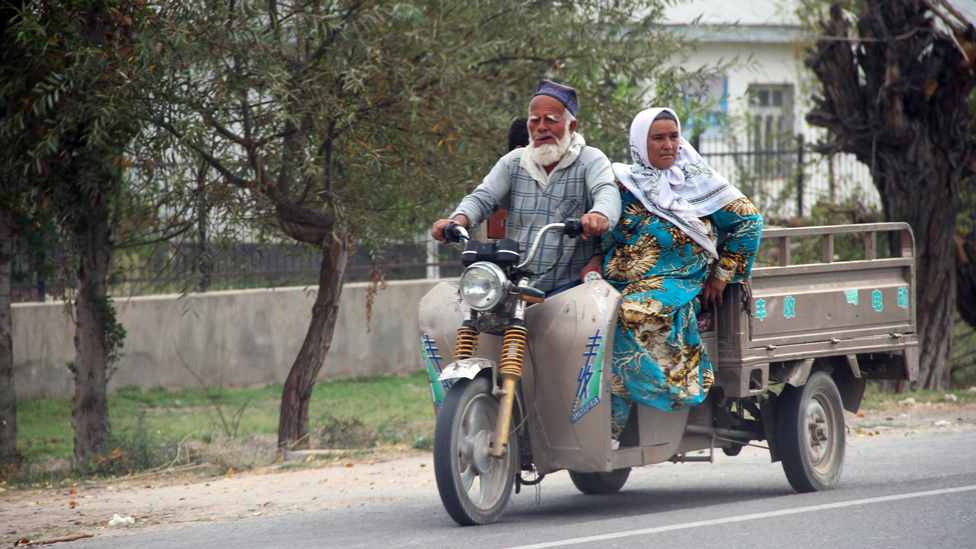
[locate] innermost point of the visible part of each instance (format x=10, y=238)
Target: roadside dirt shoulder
x=165, y=503
x=173, y=502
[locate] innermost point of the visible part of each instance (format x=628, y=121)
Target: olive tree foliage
x=353, y=122
x=69, y=128
x=894, y=79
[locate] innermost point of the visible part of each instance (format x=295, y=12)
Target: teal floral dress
x=658, y=356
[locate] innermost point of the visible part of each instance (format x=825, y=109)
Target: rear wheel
x=811, y=434
x=600, y=483
x=474, y=487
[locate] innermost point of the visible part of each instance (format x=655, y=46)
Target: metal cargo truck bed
x=858, y=315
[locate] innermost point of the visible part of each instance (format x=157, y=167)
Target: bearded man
x=557, y=176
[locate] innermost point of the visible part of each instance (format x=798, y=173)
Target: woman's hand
x=711, y=294
x=595, y=264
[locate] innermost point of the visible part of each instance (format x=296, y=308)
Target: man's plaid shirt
x=584, y=185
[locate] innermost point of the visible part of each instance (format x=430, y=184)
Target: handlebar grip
x=573, y=228
x=455, y=232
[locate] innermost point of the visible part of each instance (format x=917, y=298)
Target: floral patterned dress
x=658, y=356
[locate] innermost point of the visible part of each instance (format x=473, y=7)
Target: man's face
x=546, y=122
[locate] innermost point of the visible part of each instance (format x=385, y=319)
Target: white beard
x=547, y=155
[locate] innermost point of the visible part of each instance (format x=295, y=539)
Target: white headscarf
x=683, y=193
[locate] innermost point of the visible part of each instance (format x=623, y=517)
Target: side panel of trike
x=566, y=384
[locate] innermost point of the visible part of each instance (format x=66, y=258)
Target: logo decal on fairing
x=588, y=390
x=433, y=362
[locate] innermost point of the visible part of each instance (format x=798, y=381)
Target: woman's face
x=662, y=144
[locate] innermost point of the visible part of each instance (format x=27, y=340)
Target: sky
x=761, y=11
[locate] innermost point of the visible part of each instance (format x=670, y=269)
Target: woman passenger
x=661, y=256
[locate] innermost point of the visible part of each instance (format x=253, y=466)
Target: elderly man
x=557, y=176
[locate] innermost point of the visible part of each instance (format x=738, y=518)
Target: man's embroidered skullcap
x=565, y=94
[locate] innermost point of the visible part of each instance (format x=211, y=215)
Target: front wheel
x=810, y=429
x=474, y=487
x=600, y=483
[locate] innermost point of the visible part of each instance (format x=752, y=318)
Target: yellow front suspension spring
x=467, y=342
x=510, y=370
x=513, y=351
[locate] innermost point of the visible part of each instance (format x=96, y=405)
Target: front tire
x=811, y=434
x=600, y=483
x=474, y=487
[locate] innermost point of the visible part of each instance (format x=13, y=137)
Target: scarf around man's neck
x=538, y=172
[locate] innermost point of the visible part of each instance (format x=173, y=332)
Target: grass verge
x=228, y=429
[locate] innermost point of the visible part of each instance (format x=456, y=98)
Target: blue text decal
x=588, y=388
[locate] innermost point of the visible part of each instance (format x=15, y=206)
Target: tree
x=8, y=399
x=69, y=119
x=966, y=244
x=353, y=122
x=894, y=93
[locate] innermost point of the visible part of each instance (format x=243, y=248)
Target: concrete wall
x=229, y=338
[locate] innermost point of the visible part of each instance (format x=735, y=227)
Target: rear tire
x=600, y=483
x=811, y=434
x=474, y=487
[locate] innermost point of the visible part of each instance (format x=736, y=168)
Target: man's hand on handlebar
x=594, y=224
x=437, y=229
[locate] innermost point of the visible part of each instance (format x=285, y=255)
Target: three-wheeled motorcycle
x=521, y=381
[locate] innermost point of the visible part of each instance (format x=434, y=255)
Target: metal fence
x=786, y=181
x=192, y=267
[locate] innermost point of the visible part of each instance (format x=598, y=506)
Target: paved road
x=916, y=491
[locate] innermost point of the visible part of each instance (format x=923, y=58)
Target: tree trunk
x=898, y=101
x=931, y=212
x=293, y=421
x=93, y=322
x=966, y=277
x=8, y=400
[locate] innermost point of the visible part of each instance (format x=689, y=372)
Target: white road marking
x=743, y=518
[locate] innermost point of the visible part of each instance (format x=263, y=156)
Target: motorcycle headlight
x=483, y=285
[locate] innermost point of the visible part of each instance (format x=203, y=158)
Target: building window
x=771, y=133
x=713, y=91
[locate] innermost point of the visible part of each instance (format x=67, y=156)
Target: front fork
x=510, y=370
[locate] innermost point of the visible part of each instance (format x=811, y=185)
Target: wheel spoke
x=467, y=477
x=478, y=416
x=466, y=446
x=486, y=488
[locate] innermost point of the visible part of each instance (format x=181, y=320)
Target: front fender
x=467, y=368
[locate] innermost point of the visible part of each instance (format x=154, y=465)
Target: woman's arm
x=744, y=223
